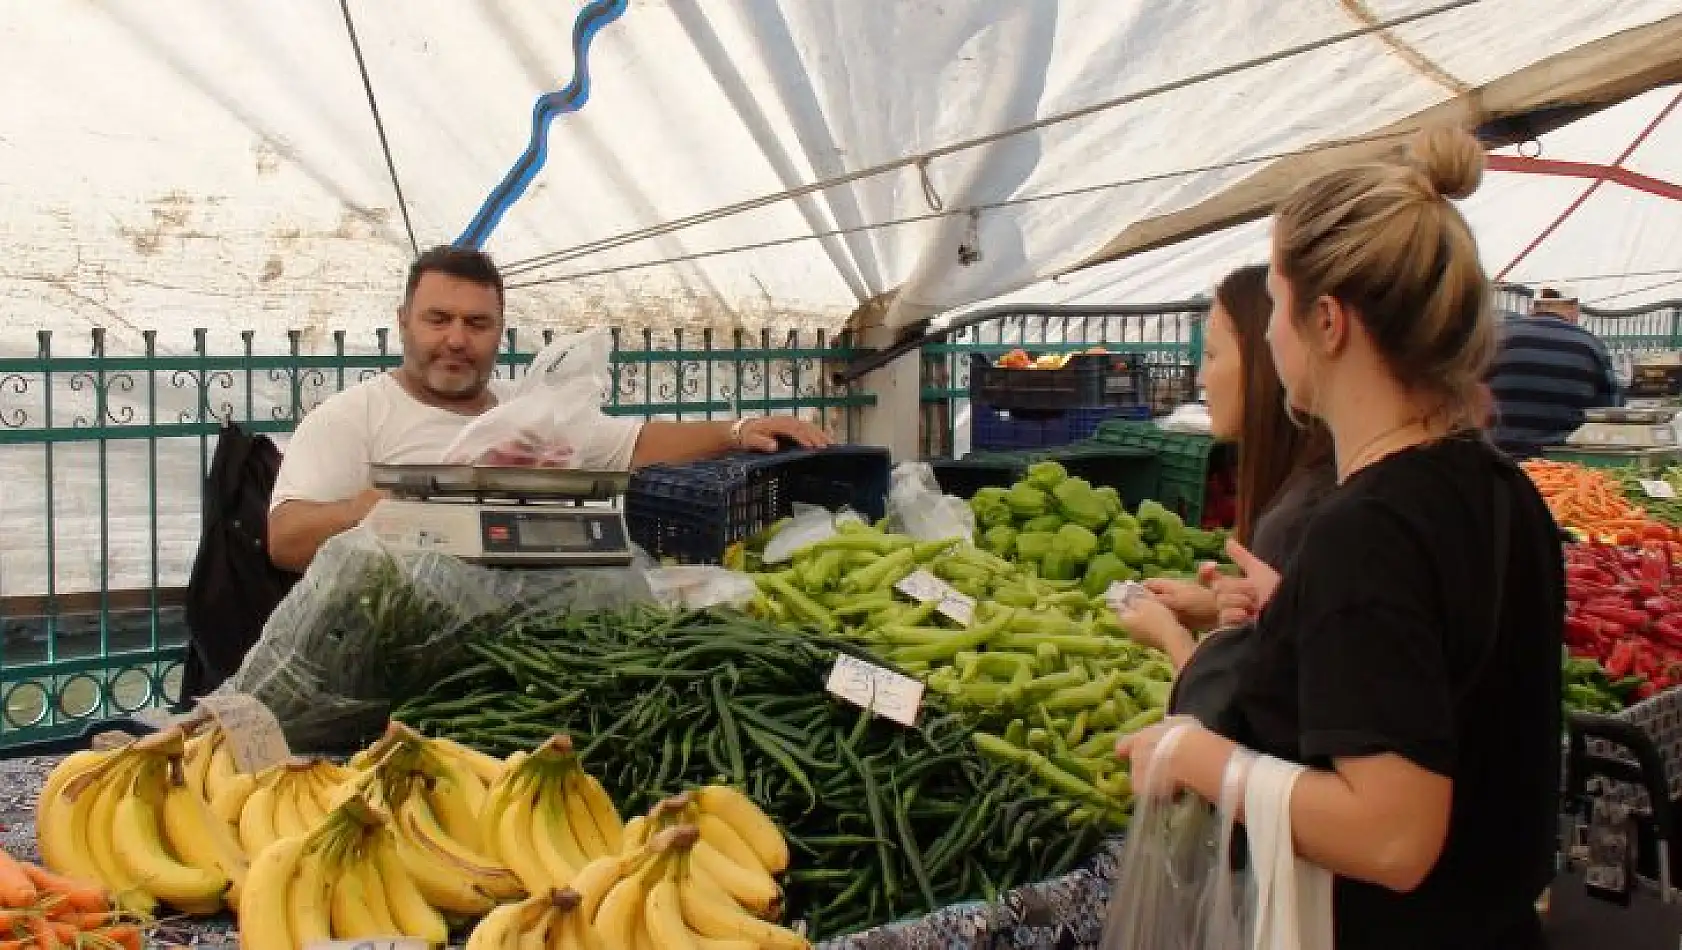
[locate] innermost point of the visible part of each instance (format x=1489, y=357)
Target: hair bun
x=1450, y=158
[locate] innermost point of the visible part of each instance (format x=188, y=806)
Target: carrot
x=83, y=919
x=16, y=890
x=50, y=935
x=78, y=895
x=27, y=943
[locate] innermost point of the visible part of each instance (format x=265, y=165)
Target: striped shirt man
x=1546, y=371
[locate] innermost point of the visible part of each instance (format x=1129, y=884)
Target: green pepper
x=1000, y=539
x=1112, y=501
x=990, y=508
x=1080, y=543
x=1127, y=544
x=885, y=572
x=1026, y=501
x=1158, y=524
x=1059, y=564
x=1081, y=504
x=1046, y=476
x=1102, y=571
x=1033, y=546
x=1048, y=523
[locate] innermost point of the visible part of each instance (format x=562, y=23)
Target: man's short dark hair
x=462, y=262
x=1548, y=293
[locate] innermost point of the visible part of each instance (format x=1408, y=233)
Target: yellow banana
x=219, y=771
x=61, y=820
x=486, y=767
x=551, y=840
x=663, y=915
x=288, y=820
x=309, y=904
x=353, y=913
x=596, y=879
x=409, y=908
x=124, y=887
x=752, y=888
x=715, y=943
x=584, y=934
x=716, y=832
x=455, y=773
x=422, y=827
x=257, y=818
x=497, y=931
x=643, y=941
x=608, y=824
x=713, y=917
x=265, y=923
x=138, y=846
x=308, y=799
x=620, y=914
x=441, y=883
x=564, y=933
x=636, y=834
x=231, y=801
x=517, y=846
x=203, y=840
x=456, y=812
x=750, y=821
x=195, y=763
x=583, y=821
x=490, y=816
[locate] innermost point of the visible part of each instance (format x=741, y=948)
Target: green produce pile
x=1667, y=510
x=1589, y=689
x=1061, y=528
x=884, y=821
x=1042, y=668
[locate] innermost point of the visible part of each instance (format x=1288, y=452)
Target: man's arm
x=679, y=442
x=298, y=529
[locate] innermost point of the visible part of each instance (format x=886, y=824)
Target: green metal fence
x=102, y=458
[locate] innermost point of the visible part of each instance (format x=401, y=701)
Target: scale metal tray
x=499, y=483
x=1630, y=416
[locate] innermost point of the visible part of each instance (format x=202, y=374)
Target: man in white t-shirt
x=451, y=325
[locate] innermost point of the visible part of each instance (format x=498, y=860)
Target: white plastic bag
x=917, y=507
x=557, y=399
x=698, y=586
x=810, y=524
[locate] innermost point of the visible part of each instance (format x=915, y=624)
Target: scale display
x=550, y=532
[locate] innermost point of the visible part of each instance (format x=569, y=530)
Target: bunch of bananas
x=343, y=880
x=137, y=820
x=287, y=800
x=554, y=920
x=546, y=818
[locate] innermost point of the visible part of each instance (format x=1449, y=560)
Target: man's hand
x=298, y=529
x=762, y=434
x=365, y=501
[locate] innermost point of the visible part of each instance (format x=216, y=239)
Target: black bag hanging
x=234, y=586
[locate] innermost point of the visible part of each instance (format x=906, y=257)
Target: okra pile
x=1040, y=668
x=885, y=821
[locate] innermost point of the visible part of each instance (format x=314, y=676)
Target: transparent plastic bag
x=559, y=397
x=368, y=624
x=694, y=587
x=809, y=525
x=917, y=507
x=1176, y=888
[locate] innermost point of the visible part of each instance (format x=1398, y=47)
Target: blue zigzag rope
x=595, y=15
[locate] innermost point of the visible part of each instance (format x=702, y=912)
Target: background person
x=1547, y=369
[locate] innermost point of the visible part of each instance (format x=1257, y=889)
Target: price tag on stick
x=1658, y=488
x=253, y=733
x=923, y=587
x=882, y=691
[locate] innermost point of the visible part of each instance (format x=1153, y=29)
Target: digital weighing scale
x=504, y=517
x=1625, y=429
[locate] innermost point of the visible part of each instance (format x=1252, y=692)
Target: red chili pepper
x=1645, y=691
x=1621, y=662
x=1661, y=607
x=1629, y=617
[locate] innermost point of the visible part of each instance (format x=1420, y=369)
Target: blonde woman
x=1410, y=655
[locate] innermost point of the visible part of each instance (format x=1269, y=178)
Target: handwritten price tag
x=923, y=587
x=882, y=691
x=372, y=944
x=253, y=733
x=1658, y=488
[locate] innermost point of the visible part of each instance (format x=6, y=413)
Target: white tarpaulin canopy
x=216, y=163
x=1595, y=205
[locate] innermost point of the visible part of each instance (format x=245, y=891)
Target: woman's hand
x=1150, y=622
x=1239, y=599
x=1154, y=774
x=1193, y=603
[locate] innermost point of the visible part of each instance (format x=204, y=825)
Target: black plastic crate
x=993, y=429
x=693, y=513
x=1134, y=473
x=1089, y=380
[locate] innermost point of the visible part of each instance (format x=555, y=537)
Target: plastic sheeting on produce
x=216, y=162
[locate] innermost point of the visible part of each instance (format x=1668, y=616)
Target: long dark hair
x=1272, y=449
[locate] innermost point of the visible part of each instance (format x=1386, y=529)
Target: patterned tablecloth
x=1065, y=914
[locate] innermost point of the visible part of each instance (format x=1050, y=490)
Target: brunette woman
x=1410, y=656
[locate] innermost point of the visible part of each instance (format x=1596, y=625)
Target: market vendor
x=1546, y=372
x=1284, y=464
x=451, y=327
x=1408, y=659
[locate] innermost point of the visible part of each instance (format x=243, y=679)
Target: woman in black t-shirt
x=1410, y=655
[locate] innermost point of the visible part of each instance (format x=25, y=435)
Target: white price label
x=253, y=733
x=882, y=691
x=1658, y=488
x=923, y=587
x=370, y=944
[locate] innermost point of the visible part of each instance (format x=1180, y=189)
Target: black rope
x=379, y=126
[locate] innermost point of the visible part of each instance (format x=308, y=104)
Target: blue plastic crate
x=693, y=513
x=995, y=430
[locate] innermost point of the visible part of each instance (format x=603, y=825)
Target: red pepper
x=1661, y=607
x=1668, y=631
x=1629, y=617
x=1621, y=662
x=1645, y=691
